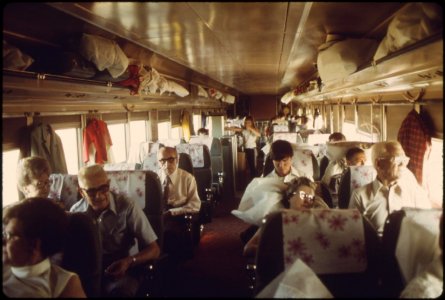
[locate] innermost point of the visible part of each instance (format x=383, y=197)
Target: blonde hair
x=30, y=168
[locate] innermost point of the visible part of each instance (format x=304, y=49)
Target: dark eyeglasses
x=93, y=192
x=168, y=159
x=397, y=160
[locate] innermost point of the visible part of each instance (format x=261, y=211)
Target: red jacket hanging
x=96, y=133
x=416, y=141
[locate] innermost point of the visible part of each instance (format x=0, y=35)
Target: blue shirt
x=119, y=225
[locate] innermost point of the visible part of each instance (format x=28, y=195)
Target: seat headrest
x=328, y=240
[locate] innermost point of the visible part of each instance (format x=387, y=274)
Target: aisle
x=218, y=268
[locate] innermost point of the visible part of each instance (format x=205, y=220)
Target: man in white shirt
x=392, y=189
x=281, y=153
x=181, y=197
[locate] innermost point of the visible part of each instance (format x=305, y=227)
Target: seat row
x=343, y=249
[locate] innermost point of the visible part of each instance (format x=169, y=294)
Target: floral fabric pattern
x=302, y=161
x=327, y=240
x=196, y=152
x=151, y=162
x=120, y=166
x=131, y=184
x=64, y=188
x=362, y=175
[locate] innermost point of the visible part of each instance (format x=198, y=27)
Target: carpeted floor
x=218, y=267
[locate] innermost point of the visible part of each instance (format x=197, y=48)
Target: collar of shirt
x=172, y=176
x=293, y=173
x=377, y=185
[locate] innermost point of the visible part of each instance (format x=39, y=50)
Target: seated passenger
x=180, y=197
x=354, y=157
x=120, y=222
x=33, y=176
x=34, y=230
x=300, y=194
x=429, y=282
x=392, y=189
x=203, y=132
x=336, y=137
x=281, y=153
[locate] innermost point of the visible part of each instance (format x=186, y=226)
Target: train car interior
x=113, y=83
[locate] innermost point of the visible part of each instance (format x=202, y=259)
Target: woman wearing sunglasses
x=300, y=194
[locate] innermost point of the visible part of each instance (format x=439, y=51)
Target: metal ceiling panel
x=254, y=47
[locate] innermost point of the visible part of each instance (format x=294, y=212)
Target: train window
x=138, y=132
x=196, y=122
x=9, y=166
x=349, y=131
x=175, y=133
x=433, y=172
x=70, y=148
x=163, y=130
x=209, y=124
x=117, y=133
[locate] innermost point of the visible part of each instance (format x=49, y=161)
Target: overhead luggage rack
x=420, y=66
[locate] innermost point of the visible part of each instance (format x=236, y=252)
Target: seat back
x=121, y=166
x=326, y=194
x=82, y=252
x=303, y=160
x=64, y=188
x=268, y=165
x=185, y=163
x=151, y=163
x=202, y=165
x=143, y=187
x=409, y=243
x=306, y=163
x=353, y=178
x=339, y=245
x=324, y=162
x=216, y=157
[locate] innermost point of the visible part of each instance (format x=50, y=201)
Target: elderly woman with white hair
x=394, y=187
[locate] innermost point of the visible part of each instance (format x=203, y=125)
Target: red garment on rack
x=416, y=141
x=96, y=133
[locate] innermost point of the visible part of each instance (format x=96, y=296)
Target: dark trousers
x=178, y=239
x=250, y=159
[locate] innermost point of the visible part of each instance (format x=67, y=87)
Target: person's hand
x=118, y=268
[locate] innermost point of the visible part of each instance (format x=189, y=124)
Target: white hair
x=385, y=149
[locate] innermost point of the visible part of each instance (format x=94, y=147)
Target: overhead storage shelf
x=421, y=67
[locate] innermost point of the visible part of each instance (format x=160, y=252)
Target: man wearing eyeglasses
x=180, y=188
x=394, y=187
x=180, y=198
x=119, y=222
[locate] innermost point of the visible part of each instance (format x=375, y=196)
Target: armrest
x=152, y=276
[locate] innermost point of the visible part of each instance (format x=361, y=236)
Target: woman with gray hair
x=33, y=176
